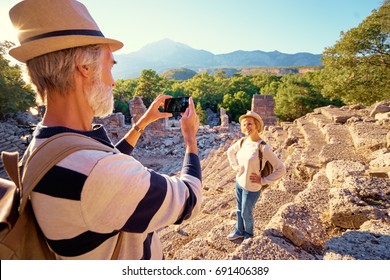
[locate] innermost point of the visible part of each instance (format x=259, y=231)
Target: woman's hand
x=255, y=178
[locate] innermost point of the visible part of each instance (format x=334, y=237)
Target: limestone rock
x=269, y=248
x=301, y=226
x=358, y=200
x=337, y=171
x=333, y=203
x=370, y=242
x=368, y=136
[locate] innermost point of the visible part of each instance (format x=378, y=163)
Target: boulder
x=358, y=200
x=370, y=242
x=338, y=170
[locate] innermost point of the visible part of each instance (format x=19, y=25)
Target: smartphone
x=176, y=105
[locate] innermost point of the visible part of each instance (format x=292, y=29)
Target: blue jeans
x=246, y=201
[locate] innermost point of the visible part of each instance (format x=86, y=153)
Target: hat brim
x=254, y=117
x=249, y=116
x=36, y=48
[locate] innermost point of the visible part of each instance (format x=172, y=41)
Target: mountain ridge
x=166, y=54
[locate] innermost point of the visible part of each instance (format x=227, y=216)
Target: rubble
x=332, y=204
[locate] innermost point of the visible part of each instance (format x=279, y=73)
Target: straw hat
x=255, y=116
x=46, y=26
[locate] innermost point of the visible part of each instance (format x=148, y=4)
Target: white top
x=245, y=160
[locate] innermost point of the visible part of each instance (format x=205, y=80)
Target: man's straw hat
x=46, y=26
x=255, y=116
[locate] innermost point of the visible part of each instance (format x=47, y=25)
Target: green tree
x=15, y=94
x=220, y=75
x=236, y=104
x=242, y=83
x=356, y=68
x=201, y=113
x=205, y=90
x=297, y=96
x=150, y=85
x=123, y=92
x=177, y=90
x=267, y=83
x=271, y=88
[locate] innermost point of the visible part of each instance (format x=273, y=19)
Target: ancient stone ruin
x=333, y=203
x=264, y=105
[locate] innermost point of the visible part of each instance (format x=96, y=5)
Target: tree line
x=355, y=71
x=15, y=94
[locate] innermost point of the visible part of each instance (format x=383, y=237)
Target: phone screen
x=176, y=105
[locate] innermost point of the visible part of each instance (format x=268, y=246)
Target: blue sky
x=222, y=26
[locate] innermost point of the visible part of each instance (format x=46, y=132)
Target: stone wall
x=114, y=125
x=137, y=109
x=264, y=105
x=15, y=135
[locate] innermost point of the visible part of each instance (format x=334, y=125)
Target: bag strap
x=242, y=141
x=49, y=153
x=115, y=255
x=262, y=143
x=10, y=162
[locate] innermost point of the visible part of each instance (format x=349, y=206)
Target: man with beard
x=90, y=198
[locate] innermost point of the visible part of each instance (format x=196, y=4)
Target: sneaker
x=234, y=236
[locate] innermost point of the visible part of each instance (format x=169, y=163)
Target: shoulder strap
x=10, y=161
x=261, y=146
x=262, y=143
x=242, y=141
x=115, y=254
x=49, y=153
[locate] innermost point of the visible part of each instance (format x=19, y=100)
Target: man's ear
x=84, y=70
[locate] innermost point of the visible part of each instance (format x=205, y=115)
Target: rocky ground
x=334, y=202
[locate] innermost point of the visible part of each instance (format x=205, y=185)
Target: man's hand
x=189, y=124
x=153, y=114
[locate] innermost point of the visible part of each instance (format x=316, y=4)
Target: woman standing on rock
x=243, y=157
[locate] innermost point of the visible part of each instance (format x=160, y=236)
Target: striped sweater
x=87, y=198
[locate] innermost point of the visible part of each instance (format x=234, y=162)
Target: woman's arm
x=231, y=153
x=278, y=166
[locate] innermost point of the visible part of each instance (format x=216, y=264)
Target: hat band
x=86, y=32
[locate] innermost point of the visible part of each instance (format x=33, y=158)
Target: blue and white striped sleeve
x=123, y=195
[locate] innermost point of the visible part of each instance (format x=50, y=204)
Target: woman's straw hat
x=255, y=116
x=46, y=26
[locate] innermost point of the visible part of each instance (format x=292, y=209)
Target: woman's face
x=248, y=126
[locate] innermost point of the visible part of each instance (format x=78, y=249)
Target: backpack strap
x=49, y=153
x=262, y=143
x=242, y=141
x=10, y=161
x=115, y=254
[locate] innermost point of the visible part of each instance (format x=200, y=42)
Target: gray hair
x=53, y=73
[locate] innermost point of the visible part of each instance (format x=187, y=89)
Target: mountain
x=166, y=54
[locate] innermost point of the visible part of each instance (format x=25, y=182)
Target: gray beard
x=100, y=99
